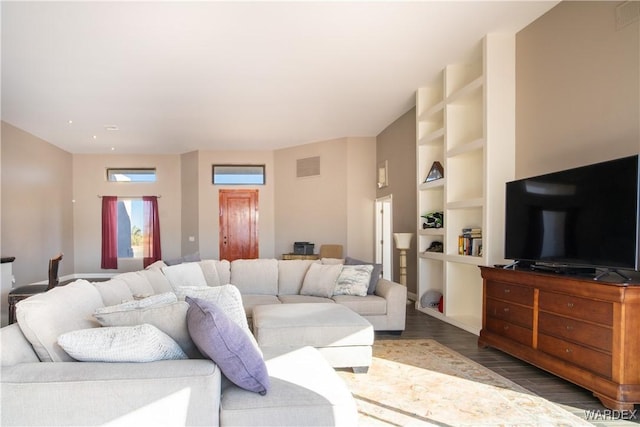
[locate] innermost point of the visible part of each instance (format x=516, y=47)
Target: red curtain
x=109, y=232
x=152, y=252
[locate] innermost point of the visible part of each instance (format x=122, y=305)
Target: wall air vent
x=309, y=166
x=626, y=13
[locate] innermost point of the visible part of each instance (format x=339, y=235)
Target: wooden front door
x=238, y=224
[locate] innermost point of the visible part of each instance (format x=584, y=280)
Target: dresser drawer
x=577, y=307
x=510, y=330
x=506, y=291
x=577, y=331
x=512, y=313
x=585, y=358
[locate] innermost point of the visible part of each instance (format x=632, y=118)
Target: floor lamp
x=403, y=243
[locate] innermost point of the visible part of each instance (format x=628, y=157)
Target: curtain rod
x=133, y=197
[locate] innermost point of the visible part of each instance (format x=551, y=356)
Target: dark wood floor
x=573, y=398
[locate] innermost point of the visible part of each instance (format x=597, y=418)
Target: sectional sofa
x=43, y=385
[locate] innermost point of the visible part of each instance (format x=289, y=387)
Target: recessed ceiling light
x=70, y=122
x=113, y=148
x=111, y=127
x=95, y=136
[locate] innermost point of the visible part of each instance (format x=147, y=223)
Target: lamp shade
x=403, y=240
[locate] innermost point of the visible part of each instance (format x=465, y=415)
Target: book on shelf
x=470, y=242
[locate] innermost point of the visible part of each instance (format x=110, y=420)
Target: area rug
x=424, y=383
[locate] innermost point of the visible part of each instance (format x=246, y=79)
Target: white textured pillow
x=320, y=280
x=353, y=280
x=185, y=274
x=142, y=343
x=152, y=301
x=227, y=297
x=169, y=318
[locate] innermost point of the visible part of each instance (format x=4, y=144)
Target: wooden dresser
x=585, y=331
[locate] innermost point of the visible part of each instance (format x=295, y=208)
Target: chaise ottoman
x=305, y=391
x=341, y=335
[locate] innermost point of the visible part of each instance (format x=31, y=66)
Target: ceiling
x=173, y=77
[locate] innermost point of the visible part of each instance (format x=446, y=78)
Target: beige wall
x=37, y=208
x=397, y=145
x=208, y=209
x=577, y=89
x=89, y=182
x=320, y=209
x=190, y=213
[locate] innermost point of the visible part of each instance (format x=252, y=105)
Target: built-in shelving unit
x=466, y=121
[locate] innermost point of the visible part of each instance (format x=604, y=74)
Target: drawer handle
x=569, y=328
x=570, y=304
x=506, y=309
x=567, y=350
x=506, y=327
x=506, y=291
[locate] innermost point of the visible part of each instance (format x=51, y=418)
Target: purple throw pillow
x=223, y=341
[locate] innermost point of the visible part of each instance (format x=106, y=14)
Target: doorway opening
x=384, y=237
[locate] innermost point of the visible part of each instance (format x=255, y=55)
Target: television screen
x=586, y=216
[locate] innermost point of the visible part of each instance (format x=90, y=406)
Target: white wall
x=577, y=88
x=89, y=182
x=208, y=208
x=336, y=207
x=37, y=209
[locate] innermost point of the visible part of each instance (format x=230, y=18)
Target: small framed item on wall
x=382, y=174
x=436, y=172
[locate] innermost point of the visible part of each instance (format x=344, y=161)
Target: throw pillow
x=142, y=343
x=375, y=274
x=224, y=342
x=210, y=272
x=228, y=298
x=353, y=280
x=320, y=280
x=169, y=318
x=186, y=274
x=153, y=300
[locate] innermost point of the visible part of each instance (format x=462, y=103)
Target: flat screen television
x=585, y=217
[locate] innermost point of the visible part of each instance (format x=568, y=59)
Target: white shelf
x=466, y=204
x=465, y=121
x=426, y=186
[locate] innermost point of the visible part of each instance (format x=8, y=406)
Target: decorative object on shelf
x=403, y=243
x=435, y=247
x=433, y=220
x=436, y=172
x=383, y=179
x=431, y=299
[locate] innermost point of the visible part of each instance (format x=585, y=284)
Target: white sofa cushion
x=141, y=343
x=44, y=317
x=255, y=276
x=157, y=280
x=210, y=272
x=113, y=291
x=153, y=300
x=291, y=275
x=138, y=284
x=169, y=318
x=185, y=274
x=320, y=280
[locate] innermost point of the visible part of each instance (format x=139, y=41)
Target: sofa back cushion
x=44, y=317
x=216, y=272
x=137, y=283
x=185, y=274
x=255, y=276
x=291, y=275
x=114, y=291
